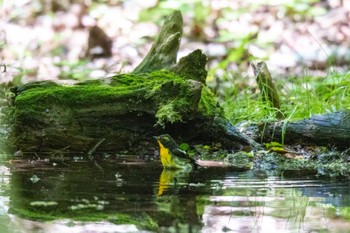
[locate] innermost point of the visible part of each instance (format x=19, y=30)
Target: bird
x=171, y=156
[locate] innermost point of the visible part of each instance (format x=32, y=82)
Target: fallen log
x=126, y=110
x=332, y=130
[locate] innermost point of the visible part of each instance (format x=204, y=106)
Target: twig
x=95, y=147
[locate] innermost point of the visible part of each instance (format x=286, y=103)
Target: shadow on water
x=132, y=196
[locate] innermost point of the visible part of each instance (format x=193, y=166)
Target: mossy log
x=124, y=111
x=331, y=130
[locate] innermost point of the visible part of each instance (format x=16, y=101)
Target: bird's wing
x=182, y=154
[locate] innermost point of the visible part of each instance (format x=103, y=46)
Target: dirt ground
x=42, y=40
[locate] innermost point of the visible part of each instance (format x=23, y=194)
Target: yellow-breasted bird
x=171, y=156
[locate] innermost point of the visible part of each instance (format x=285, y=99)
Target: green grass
x=301, y=98
x=313, y=95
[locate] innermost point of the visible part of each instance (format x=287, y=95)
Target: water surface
x=126, y=195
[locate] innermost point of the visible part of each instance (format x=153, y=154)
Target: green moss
x=70, y=96
x=122, y=86
x=92, y=91
x=170, y=96
x=208, y=104
x=175, y=96
x=168, y=113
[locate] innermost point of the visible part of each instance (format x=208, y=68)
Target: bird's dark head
x=166, y=140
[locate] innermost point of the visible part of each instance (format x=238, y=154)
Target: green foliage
x=184, y=146
x=237, y=53
x=302, y=97
x=312, y=95
x=76, y=70
x=275, y=147
x=195, y=8
x=345, y=212
x=301, y=8
x=244, y=105
x=2, y=44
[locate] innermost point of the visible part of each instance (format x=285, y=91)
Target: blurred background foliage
x=305, y=44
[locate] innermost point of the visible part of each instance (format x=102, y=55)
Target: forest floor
x=42, y=40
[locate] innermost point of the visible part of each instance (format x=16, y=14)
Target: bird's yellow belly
x=166, y=158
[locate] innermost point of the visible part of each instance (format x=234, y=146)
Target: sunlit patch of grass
x=242, y=102
x=301, y=98
x=313, y=95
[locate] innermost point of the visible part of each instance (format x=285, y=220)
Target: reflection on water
x=132, y=196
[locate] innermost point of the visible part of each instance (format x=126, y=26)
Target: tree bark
x=331, y=130
x=268, y=90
